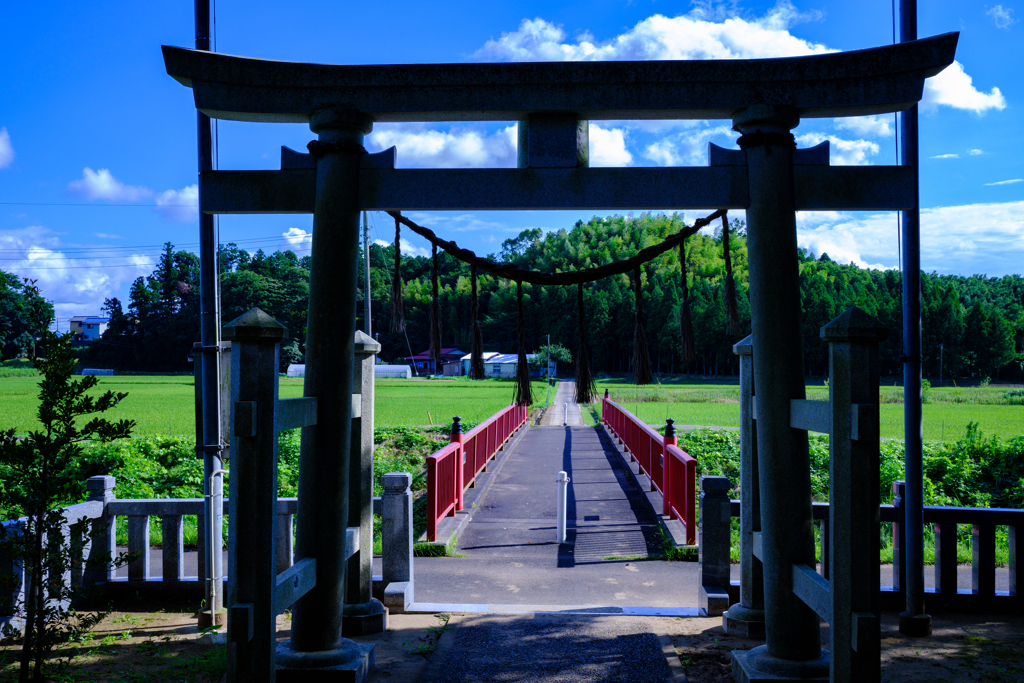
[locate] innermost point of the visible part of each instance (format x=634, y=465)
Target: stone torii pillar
x=364, y=614
x=793, y=650
x=325, y=456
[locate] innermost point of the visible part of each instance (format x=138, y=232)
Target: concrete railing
x=945, y=595
x=395, y=508
x=844, y=588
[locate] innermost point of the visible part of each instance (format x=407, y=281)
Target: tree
x=39, y=478
x=555, y=352
x=990, y=339
x=18, y=328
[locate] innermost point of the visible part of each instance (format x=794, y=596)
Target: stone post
x=793, y=647
x=324, y=472
x=363, y=613
x=746, y=618
x=103, y=545
x=899, y=560
x=252, y=513
x=396, y=533
x=853, y=339
x=714, y=542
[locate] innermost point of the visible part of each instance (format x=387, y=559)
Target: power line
x=103, y=206
x=251, y=240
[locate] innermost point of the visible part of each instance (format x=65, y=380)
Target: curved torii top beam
x=856, y=83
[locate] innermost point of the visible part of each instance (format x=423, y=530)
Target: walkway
x=511, y=559
x=563, y=406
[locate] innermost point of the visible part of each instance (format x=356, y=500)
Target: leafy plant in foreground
x=39, y=477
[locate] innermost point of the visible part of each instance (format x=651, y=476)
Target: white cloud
x=298, y=240
x=946, y=156
x=717, y=32
x=6, y=149
x=843, y=152
x=1001, y=16
x=180, y=205
x=406, y=246
x=460, y=147
x=608, y=147
x=448, y=222
x=1005, y=182
x=874, y=126
x=76, y=286
x=107, y=236
x=967, y=239
x=976, y=152
x=695, y=35
x=954, y=88
x=102, y=184
x=688, y=148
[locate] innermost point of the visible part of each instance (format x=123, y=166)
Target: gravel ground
x=548, y=649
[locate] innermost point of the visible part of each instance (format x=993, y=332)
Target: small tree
x=39, y=480
x=555, y=352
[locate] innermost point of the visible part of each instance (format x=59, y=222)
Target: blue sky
x=97, y=143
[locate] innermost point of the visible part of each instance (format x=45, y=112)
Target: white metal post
x=563, y=489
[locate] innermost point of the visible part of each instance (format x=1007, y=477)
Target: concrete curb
x=450, y=528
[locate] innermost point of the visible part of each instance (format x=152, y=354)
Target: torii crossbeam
x=553, y=103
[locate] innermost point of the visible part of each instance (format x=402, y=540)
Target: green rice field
x=946, y=414
x=164, y=404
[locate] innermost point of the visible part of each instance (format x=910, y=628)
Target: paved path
x=512, y=558
x=563, y=406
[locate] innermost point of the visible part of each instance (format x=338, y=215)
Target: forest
x=973, y=327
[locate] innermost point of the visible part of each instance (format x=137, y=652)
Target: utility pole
x=209, y=352
x=549, y=359
x=366, y=259
x=914, y=621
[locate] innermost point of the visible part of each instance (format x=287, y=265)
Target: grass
x=945, y=415
x=163, y=404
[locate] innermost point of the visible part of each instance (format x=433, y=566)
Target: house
x=88, y=327
x=424, y=361
x=503, y=364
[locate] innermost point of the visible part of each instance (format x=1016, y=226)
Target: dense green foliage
x=21, y=310
x=977, y=320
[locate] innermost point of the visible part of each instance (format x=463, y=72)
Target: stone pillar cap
x=365, y=344
x=715, y=484
x=100, y=482
x=255, y=325
x=854, y=325
x=745, y=346
x=396, y=481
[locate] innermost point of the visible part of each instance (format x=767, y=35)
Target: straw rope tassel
x=397, y=300
x=586, y=389
x=688, y=352
x=641, y=358
x=435, y=316
x=732, y=314
x=476, y=361
x=522, y=397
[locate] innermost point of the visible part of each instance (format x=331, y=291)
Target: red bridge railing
x=453, y=468
x=672, y=471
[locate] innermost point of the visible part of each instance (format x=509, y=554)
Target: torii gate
x=553, y=103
